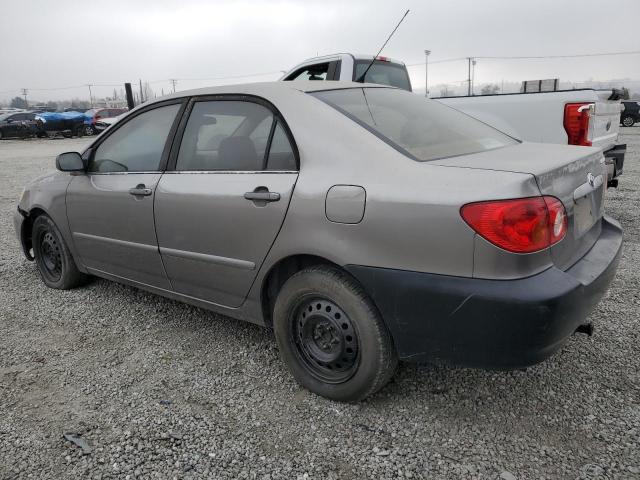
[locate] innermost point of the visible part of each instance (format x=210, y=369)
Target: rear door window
x=225, y=135
x=234, y=136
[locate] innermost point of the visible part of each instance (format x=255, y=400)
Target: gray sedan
x=363, y=224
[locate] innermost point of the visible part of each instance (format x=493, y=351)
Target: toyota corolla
x=363, y=224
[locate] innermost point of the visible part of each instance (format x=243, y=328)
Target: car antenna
x=362, y=77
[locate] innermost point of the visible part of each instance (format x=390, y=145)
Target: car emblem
x=591, y=179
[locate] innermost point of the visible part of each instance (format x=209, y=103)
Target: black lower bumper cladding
x=491, y=323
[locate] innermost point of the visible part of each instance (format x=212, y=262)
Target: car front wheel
x=331, y=335
x=89, y=130
x=628, y=121
x=53, y=258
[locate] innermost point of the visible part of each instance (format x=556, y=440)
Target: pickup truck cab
x=584, y=117
x=348, y=67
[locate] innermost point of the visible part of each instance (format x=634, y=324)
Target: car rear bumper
x=491, y=323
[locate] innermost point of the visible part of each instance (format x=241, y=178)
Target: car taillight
x=576, y=123
x=521, y=225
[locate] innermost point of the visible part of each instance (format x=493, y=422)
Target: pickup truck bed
x=542, y=117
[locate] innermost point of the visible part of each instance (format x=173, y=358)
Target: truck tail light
x=521, y=225
x=577, y=118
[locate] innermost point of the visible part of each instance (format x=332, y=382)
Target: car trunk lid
x=575, y=175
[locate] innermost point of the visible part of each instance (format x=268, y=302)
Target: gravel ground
x=159, y=389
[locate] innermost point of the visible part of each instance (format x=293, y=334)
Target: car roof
x=267, y=88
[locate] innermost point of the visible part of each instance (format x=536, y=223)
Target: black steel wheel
x=331, y=335
x=54, y=260
x=51, y=256
x=326, y=340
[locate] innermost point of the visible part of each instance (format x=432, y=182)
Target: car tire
x=1, y=135
x=628, y=121
x=331, y=335
x=53, y=258
x=89, y=130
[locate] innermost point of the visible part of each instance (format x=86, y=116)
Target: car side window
x=281, y=156
x=311, y=72
x=137, y=145
x=225, y=135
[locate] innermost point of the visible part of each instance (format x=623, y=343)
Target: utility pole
x=141, y=95
x=426, y=73
x=469, y=76
x=473, y=75
x=24, y=92
x=173, y=83
x=90, y=95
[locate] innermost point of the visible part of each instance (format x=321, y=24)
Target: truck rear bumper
x=491, y=323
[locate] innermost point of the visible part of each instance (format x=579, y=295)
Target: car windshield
x=383, y=73
x=420, y=128
x=4, y=116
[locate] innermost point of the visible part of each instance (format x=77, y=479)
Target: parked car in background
x=21, y=124
x=363, y=223
x=630, y=113
x=95, y=114
x=105, y=123
x=67, y=124
x=584, y=117
x=350, y=68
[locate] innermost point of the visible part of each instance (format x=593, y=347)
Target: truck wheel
x=331, y=335
x=628, y=121
x=53, y=258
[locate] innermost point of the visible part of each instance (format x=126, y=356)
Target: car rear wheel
x=628, y=121
x=89, y=130
x=53, y=258
x=331, y=335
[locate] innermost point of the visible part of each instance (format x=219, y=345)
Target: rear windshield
x=383, y=73
x=421, y=129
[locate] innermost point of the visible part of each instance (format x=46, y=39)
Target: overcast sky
x=56, y=44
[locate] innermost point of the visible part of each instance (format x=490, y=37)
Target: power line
x=530, y=57
x=527, y=57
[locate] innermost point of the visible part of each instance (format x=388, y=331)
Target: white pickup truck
x=573, y=117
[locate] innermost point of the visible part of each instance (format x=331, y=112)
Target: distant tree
x=52, y=104
x=625, y=93
x=18, y=102
x=490, y=89
x=147, y=92
x=76, y=103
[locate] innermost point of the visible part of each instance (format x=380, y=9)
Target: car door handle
x=262, y=196
x=140, y=190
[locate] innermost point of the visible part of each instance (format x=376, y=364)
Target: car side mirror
x=70, y=162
